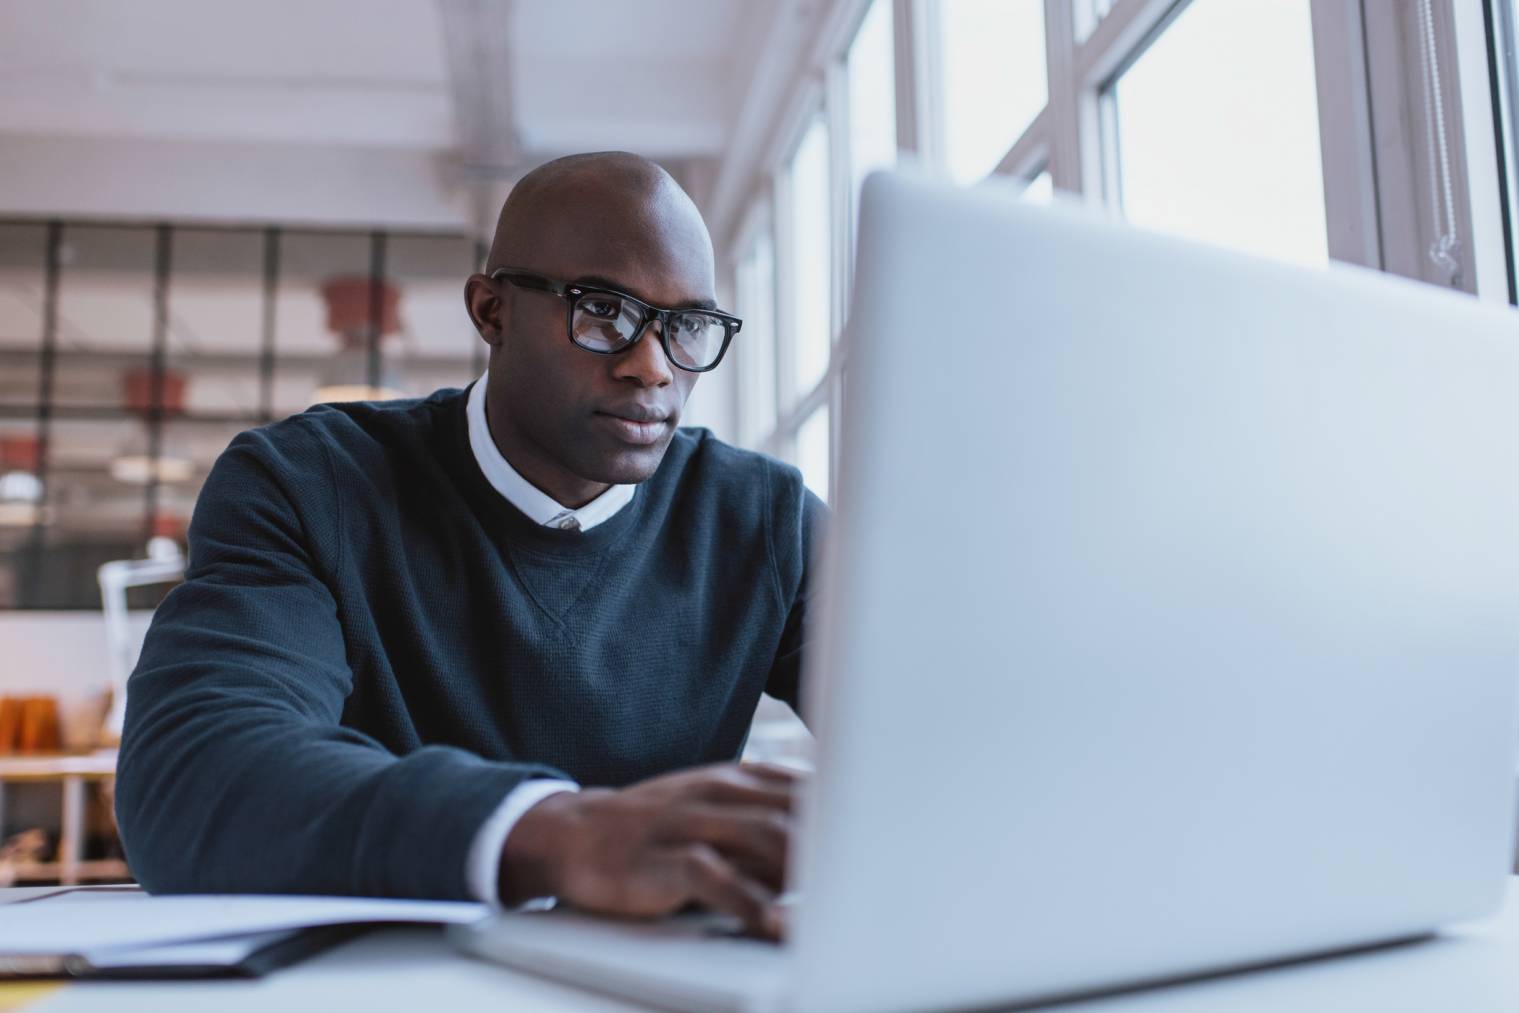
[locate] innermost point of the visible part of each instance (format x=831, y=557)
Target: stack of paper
x=117, y=932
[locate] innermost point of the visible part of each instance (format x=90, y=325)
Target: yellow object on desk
x=18, y=995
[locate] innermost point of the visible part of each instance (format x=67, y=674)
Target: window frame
x=1502, y=24
x=1378, y=188
x=751, y=387
x=46, y=414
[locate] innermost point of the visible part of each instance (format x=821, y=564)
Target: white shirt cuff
x=483, y=865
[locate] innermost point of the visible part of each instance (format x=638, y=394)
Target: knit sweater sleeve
x=798, y=521
x=235, y=774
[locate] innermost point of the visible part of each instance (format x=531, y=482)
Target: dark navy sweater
x=372, y=647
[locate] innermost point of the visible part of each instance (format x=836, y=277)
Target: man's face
x=603, y=418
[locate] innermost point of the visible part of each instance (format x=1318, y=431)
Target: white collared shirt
x=539, y=506
x=483, y=864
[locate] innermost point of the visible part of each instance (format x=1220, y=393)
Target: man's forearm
x=221, y=791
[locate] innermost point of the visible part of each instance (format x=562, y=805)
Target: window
x=21, y=307
x=168, y=341
x=812, y=451
x=755, y=344
x=1041, y=189
x=323, y=313
x=105, y=311
x=433, y=329
x=811, y=268
x=1505, y=21
x=1089, y=14
x=872, y=100
x=992, y=79
x=216, y=317
x=1218, y=129
x=1198, y=117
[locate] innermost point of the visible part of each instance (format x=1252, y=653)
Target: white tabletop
x=1473, y=968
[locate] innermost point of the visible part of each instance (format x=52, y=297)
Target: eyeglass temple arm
x=526, y=280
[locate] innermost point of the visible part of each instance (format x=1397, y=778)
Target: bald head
x=599, y=205
x=570, y=420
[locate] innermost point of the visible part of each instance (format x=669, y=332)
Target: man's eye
x=693, y=325
x=606, y=309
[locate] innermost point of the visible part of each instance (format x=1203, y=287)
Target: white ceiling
x=667, y=74
x=529, y=76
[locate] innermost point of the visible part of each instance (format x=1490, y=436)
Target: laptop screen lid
x=1169, y=618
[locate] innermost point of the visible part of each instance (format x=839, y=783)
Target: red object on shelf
x=350, y=308
x=19, y=453
x=137, y=391
x=166, y=525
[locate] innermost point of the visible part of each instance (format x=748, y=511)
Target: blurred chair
x=165, y=565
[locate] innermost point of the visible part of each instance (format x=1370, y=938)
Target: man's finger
x=769, y=875
x=772, y=771
x=732, y=788
x=717, y=885
x=759, y=835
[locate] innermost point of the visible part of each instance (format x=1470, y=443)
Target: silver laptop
x=1171, y=626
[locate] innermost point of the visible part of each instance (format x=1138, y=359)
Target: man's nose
x=645, y=362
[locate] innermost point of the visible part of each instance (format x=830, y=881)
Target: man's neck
x=544, y=474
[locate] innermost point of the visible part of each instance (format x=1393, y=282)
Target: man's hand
x=715, y=835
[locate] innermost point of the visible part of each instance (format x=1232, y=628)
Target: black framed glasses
x=606, y=321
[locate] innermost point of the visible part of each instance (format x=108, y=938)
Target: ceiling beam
x=476, y=37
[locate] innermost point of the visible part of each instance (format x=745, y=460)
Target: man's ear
x=485, y=308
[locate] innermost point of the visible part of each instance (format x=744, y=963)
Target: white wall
x=230, y=182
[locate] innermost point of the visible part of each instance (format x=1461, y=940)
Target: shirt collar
x=540, y=507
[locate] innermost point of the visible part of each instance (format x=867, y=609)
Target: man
x=410, y=630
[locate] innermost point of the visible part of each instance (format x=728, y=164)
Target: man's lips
x=639, y=426
x=636, y=413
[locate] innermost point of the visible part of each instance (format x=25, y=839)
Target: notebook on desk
x=122, y=932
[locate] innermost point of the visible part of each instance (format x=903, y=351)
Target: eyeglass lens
x=605, y=323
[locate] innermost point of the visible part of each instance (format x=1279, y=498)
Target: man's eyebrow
x=596, y=281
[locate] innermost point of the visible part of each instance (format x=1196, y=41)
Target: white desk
x=1474, y=969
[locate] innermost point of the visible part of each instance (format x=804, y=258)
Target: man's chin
x=602, y=457
x=627, y=465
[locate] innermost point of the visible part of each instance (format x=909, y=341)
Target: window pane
x=22, y=251
x=1041, y=189
x=993, y=78
x=216, y=318
x=105, y=312
x=91, y=515
x=315, y=347
x=21, y=504
x=436, y=344
x=103, y=467
x=811, y=269
x=872, y=99
x=812, y=451
x=1089, y=13
x=1506, y=18
x=1235, y=162
x=188, y=448
x=755, y=343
